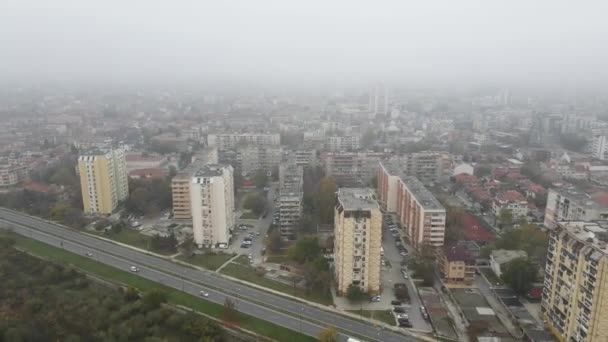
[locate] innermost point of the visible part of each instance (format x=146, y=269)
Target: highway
x=273, y=308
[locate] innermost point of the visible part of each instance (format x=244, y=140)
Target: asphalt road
x=277, y=309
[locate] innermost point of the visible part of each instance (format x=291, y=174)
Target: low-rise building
x=510, y=200
x=456, y=265
x=342, y=143
x=11, y=173
x=500, y=257
x=232, y=140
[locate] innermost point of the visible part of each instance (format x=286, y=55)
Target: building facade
x=456, y=265
x=11, y=173
x=574, y=205
x=212, y=205
x=420, y=213
x=350, y=168
x=575, y=292
x=253, y=158
x=180, y=193
x=358, y=239
x=291, y=180
x=342, y=143
x=510, y=200
x=232, y=140
x=103, y=180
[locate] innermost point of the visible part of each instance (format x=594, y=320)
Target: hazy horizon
x=541, y=43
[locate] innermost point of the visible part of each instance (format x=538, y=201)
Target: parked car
x=244, y=245
x=376, y=299
x=404, y=274
x=395, y=302
x=423, y=312
x=402, y=316
x=399, y=309
x=404, y=323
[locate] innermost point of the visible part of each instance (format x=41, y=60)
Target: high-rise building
x=354, y=169
x=599, y=146
x=212, y=205
x=253, y=158
x=358, y=240
x=420, y=213
x=575, y=293
x=575, y=205
x=103, y=180
x=378, y=101
x=290, y=199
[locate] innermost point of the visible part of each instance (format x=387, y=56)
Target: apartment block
x=212, y=205
x=255, y=158
x=232, y=140
x=456, y=265
x=420, y=213
x=290, y=199
x=11, y=173
x=351, y=168
x=575, y=205
x=342, y=143
x=358, y=239
x=103, y=180
x=575, y=293
x=305, y=157
x=510, y=200
x=427, y=166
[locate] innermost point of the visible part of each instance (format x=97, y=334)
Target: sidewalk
x=227, y=262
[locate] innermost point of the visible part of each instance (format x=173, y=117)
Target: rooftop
x=422, y=194
x=598, y=199
x=501, y=256
x=210, y=170
x=594, y=234
x=456, y=253
x=357, y=198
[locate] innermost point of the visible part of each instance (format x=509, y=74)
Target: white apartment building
x=232, y=140
x=212, y=205
x=574, y=205
x=11, y=173
x=599, y=147
x=342, y=143
x=358, y=240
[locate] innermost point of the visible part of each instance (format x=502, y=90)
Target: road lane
x=246, y=294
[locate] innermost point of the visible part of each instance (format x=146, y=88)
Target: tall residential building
x=599, y=146
x=358, y=240
x=232, y=140
x=575, y=205
x=575, y=293
x=427, y=166
x=379, y=101
x=290, y=199
x=351, y=168
x=212, y=205
x=420, y=213
x=103, y=180
x=180, y=184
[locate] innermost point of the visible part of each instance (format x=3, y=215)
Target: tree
x=482, y=171
x=324, y=201
x=306, y=249
x=230, y=315
x=255, y=202
x=260, y=179
x=368, y=137
x=187, y=247
x=520, y=274
x=274, y=242
x=355, y=294
x=573, y=142
x=329, y=334
x=401, y=293
x=154, y=298
x=506, y=217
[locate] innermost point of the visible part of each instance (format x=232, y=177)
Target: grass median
x=175, y=297
x=385, y=316
x=210, y=260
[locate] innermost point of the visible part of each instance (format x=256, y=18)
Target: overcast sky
x=408, y=42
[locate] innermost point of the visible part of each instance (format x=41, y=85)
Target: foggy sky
x=408, y=42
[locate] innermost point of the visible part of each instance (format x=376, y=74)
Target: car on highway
x=134, y=269
x=204, y=293
x=89, y=254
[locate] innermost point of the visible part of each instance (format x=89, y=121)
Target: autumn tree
x=230, y=315
x=329, y=334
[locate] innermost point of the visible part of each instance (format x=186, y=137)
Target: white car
x=89, y=254
x=376, y=299
x=204, y=293
x=402, y=316
x=134, y=269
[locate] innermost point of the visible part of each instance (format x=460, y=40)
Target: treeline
x=42, y=301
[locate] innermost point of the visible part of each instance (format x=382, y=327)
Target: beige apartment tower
x=358, y=239
x=103, y=180
x=575, y=293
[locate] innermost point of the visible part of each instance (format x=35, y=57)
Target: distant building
x=500, y=257
x=212, y=205
x=575, y=293
x=466, y=169
x=456, y=265
x=510, y=200
x=599, y=146
x=11, y=173
x=575, y=205
x=342, y=143
x=255, y=158
x=351, y=168
x=232, y=140
x=290, y=199
x=103, y=180
x=358, y=240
